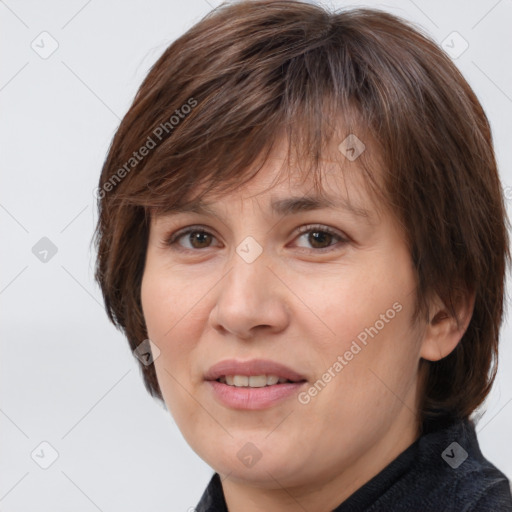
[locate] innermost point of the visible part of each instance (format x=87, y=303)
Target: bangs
x=310, y=100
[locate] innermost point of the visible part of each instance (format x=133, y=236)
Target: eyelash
x=172, y=239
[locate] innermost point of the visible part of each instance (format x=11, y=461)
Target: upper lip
x=251, y=368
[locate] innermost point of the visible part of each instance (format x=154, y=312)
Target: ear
x=442, y=334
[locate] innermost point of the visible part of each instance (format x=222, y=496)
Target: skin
x=302, y=306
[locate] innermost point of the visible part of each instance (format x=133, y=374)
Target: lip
x=253, y=398
x=251, y=368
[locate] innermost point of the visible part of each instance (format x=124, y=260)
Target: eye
x=196, y=235
x=320, y=237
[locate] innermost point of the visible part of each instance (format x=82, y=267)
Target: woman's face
x=335, y=309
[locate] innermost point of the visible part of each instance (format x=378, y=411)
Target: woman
x=302, y=235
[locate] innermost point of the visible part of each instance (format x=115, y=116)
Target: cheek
x=174, y=316
x=163, y=301
x=369, y=301
x=154, y=302
x=369, y=313
x=163, y=309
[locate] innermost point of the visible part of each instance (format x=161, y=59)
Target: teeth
x=254, y=381
x=240, y=380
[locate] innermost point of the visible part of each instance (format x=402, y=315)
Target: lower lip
x=253, y=398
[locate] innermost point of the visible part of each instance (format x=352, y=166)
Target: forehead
x=340, y=191
x=289, y=180
x=286, y=183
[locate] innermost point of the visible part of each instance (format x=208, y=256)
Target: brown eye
x=198, y=238
x=321, y=237
x=201, y=238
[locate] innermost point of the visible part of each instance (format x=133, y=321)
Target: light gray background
x=67, y=376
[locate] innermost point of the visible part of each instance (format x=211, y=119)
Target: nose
x=251, y=298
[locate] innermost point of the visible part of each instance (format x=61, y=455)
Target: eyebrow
x=282, y=207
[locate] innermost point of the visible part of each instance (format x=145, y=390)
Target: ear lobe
x=442, y=334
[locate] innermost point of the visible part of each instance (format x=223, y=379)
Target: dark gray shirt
x=442, y=471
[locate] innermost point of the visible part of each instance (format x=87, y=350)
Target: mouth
x=253, y=385
x=254, y=381
x=255, y=373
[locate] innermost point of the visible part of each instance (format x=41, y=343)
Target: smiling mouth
x=232, y=374
x=253, y=385
x=254, y=381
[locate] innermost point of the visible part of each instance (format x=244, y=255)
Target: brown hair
x=214, y=102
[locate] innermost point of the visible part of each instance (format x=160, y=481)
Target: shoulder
x=481, y=487
x=464, y=479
